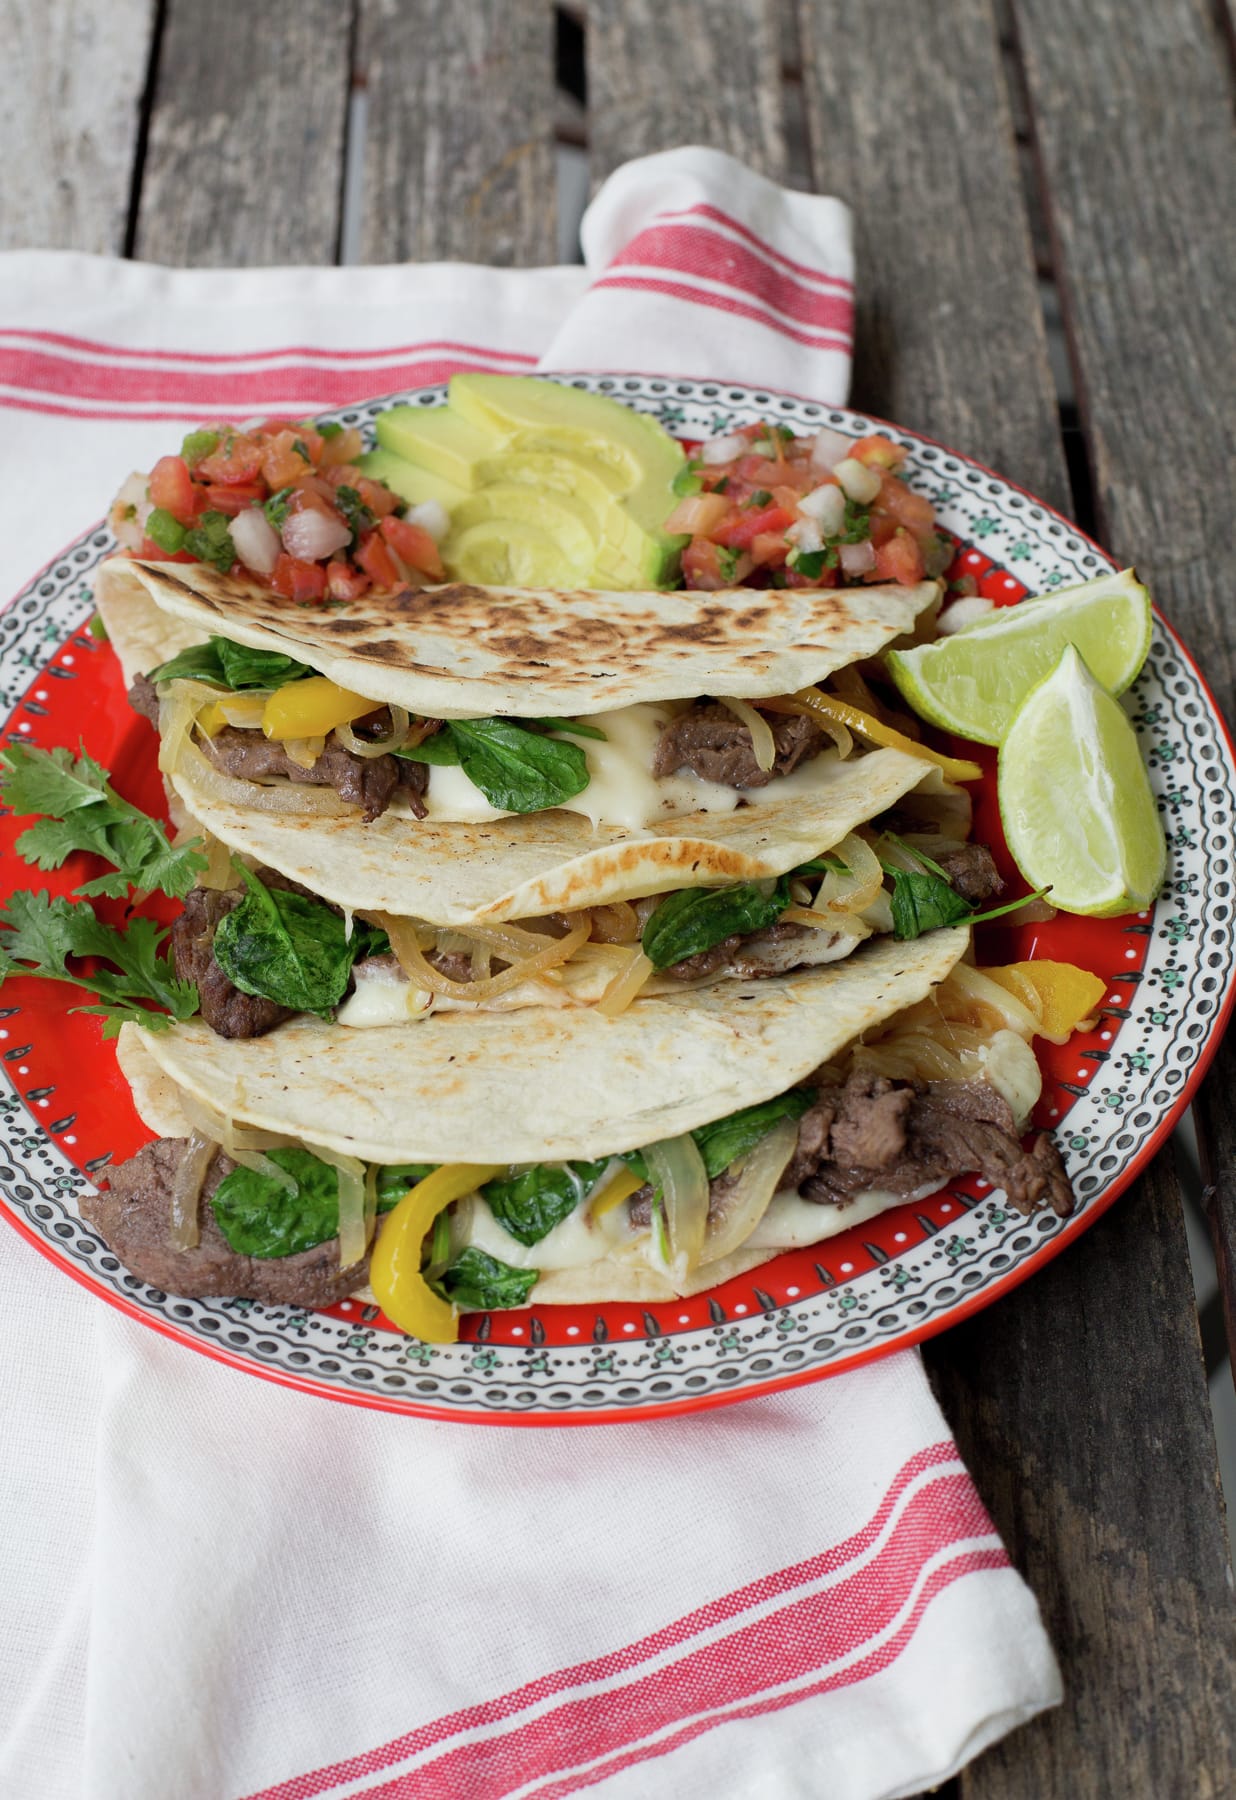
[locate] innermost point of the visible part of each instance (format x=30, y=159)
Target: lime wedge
x=973, y=682
x=1075, y=799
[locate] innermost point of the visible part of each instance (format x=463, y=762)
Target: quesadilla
x=565, y=1157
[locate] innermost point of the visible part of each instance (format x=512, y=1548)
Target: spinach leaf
x=532, y=1201
x=439, y=750
x=924, y=902
x=573, y=726
x=476, y=1279
x=210, y=541
x=517, y=770
x=231, y=665
x=288, y=948
x=725, y=1140
x=823, y=865
x=244, y=667
x=260, y=1217
x=694, y=919
x=394, y=1180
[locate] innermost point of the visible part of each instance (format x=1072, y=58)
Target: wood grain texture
x=245, y=149
x=459, y=142
x=919, y=140
x=712, y=77
x=74, y=74
x=1133, y=117
x=1085, y=1437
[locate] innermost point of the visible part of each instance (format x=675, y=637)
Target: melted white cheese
x=622, y=790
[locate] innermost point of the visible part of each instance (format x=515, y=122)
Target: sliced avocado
x=636, y=448
x=413, y=484
x=558, y=516
x=438, y=438
x=505, y=552
x=581, y=480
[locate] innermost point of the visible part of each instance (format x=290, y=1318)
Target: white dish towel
x=215, y=1588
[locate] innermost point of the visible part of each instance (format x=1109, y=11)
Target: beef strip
x=365, y=781
x=710, y=741
x=144, y=698
x=972, y=873
x=133, y=1217
x=901, y=1136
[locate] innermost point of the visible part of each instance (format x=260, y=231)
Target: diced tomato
x=150, y=552
x=297, y=580
x=376, y=560
x=235, y=499
x=914, y=511
x=879, y=452
x=705, y=566
x=342, y=449
x=882, y=527
x=413, y=545
x=345, y=583
x=740, y=532
x=900, y=559
x=171, y=487
x=282, y=462
x=237, y=460
x=313, y=442
x=377, y=497
x=322, y=491
x=768, y=550
x=272, y=427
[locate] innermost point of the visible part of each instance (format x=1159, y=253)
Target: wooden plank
x=75, y=72
x=1094, y=1451
x=459, y=144
x=949, y=331
x=1142, y=212
x=708, y=74
x=245, y=148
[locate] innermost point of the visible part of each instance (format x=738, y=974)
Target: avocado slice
x=502, y=552
x=411, y=483
x=438, y=438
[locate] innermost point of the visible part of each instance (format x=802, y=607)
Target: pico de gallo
x=765, y=508
x=285, y=504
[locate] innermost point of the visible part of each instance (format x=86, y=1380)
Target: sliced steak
x=133, y=1217
x=710, y=741
x=144, y=699
x=776, y=950
x=972, y=873
x=705, y=962
x=901, y=1136
x=225, y=1009
x=364, y=781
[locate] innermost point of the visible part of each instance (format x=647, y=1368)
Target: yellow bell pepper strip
x=813, y=703
x=312, y=707
x=1067, y=996
x=624, y=1184
x=395, y=1266
x=237, y=709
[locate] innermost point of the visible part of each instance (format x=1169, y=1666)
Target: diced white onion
x=187, y=1189
x=128, y=531
x=763, y=744
x=723, y=449
x=829, y=448
x=432, y=517
x=1009, y=1065
x=353, y=1237
x=861, y=484
x=677, y=1168
x=857, y=559
x=746, y=1203
x=256, y=540
x=826, y=505
x=626, y=984
x=304, y=752
x=805, y=535
x=312, y=536
x=962, y=613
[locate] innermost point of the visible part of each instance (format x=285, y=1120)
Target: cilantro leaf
x=356, y=515
x=38, y=936
x=761, y=497
x=84, y=812
x=210, y=541
x=328, y=429
x=727, y=562
x=276, y=508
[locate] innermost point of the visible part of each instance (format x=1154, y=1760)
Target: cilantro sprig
x=83, y=811
x=39, y=936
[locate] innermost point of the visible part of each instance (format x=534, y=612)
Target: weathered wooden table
x=988, y=147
